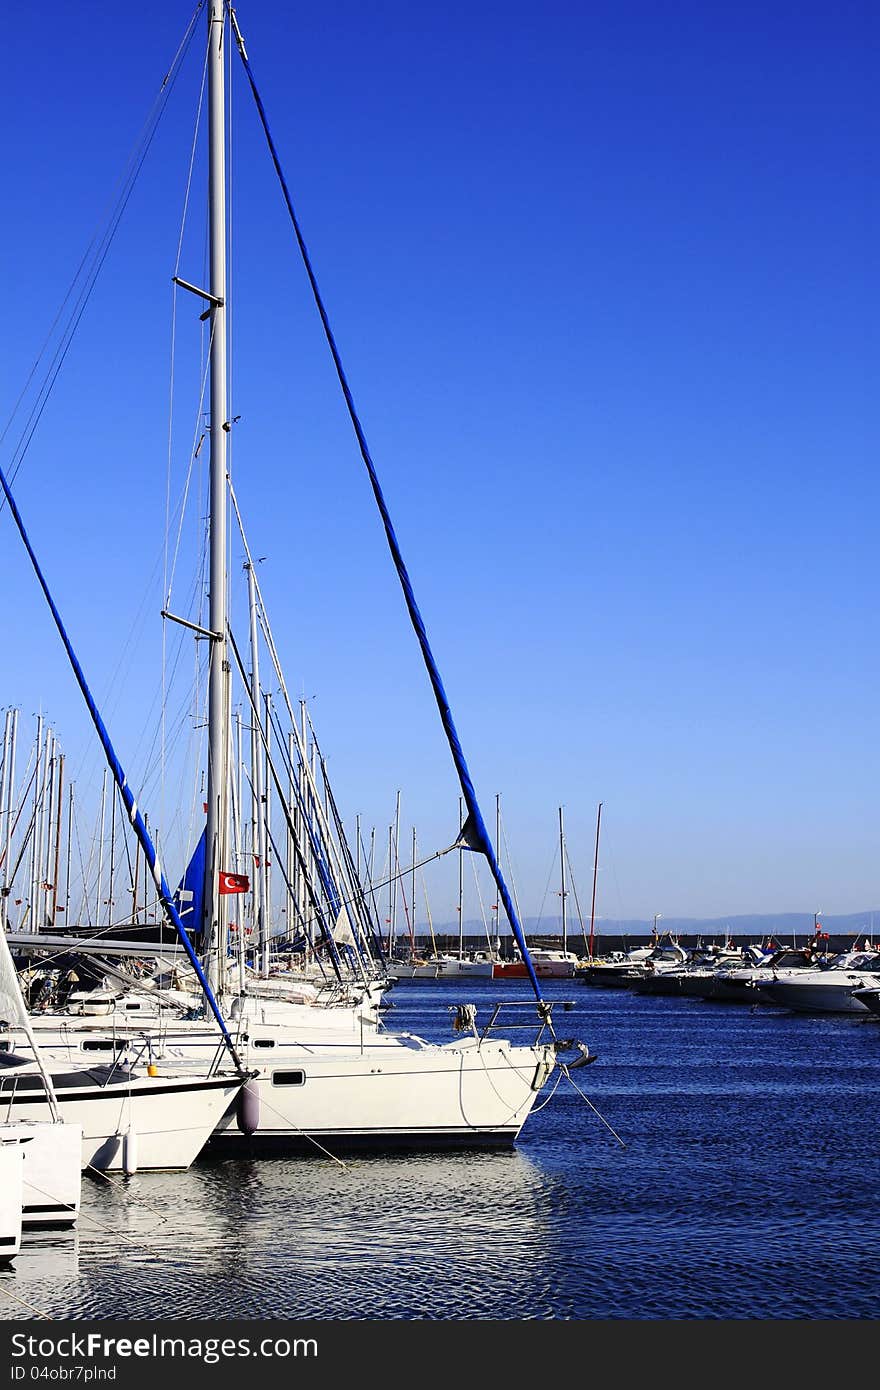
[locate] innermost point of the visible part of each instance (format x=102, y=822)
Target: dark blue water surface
x=746, y=1189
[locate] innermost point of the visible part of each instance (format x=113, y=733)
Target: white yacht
x=690, y=979
x=739, y=983
x=621, y=969
x=830, y=989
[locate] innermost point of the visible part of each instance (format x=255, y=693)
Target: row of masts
x=37, y=831
x=265, y=758
x=31, y=825
x=396, y=875
x=318, y=875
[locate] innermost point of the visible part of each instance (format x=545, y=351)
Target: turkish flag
x=234, y=883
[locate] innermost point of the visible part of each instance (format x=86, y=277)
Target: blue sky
x=603, y=279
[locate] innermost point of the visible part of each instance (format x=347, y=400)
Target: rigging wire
x=134, y=814
x=575, y=891
x=100, y=246
x=482, y=908
x=474, y=831
x=428, y=914
x=173, y=348
x=510, y=868
x=546, y=888
x=325, y=929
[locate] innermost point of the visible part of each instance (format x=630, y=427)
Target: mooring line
x=564, y=1069
x=24, y=1303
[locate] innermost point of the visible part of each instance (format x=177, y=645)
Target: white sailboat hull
x=466, y=970
x=52, y=1174
x=384, y=1090
x=164, y=1121
x=407, y=1095
x=441, y=968
x=11, y=1186
x=404, y=970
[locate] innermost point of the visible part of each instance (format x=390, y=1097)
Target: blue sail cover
x=189, y=895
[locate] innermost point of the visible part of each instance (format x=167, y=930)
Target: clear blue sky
x=605, y=283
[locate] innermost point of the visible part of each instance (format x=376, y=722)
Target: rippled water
x=750, y=1167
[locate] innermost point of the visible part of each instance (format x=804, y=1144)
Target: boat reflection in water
x=310, y=1238
x=47, y=1260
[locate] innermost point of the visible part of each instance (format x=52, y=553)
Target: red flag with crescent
x=234, y=883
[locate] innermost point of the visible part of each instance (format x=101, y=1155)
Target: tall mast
x=98, y=913
x=394, y=853
x=56, y=865
x=460, y=890
x=7, y=789
x=412, y=927
x=391, y=890
x=302, y=821
x=35, y=839
x=266, y=841
x=214, y=926
x=259, y=823
x=47, y=879
x=497, y=904
x=134, y=881
x=112, y=858
x=291, y=860
x=562, y=892
x=595, y=874
x=69, y=851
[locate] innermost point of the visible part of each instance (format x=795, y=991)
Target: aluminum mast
x=217, y=829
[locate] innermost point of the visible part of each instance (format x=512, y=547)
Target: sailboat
x=71, y=1116
x=447, y=966
x=314, y=1076
x=549, y=963
x=51, y=1144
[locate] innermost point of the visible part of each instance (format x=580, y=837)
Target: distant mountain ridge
x=748, y=924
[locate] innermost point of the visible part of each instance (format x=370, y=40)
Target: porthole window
x=288, y=1078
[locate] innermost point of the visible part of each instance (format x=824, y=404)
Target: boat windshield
x=854, y=960
x=790, y=960
x=869, y=961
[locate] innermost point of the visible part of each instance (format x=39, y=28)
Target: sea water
x=724, y=1164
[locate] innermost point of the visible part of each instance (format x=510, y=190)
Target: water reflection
x=728, y=1200
x=305, y=1238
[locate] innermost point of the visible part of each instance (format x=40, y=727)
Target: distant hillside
x=779, y=924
